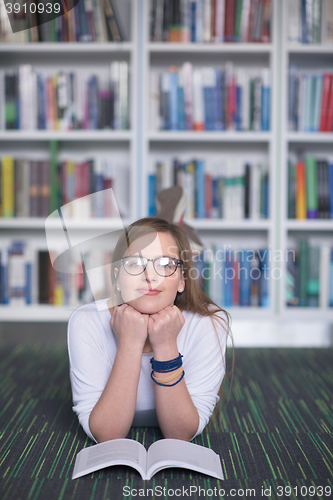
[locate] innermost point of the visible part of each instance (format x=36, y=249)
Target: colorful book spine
x=311, y=187
x=291, y=293
x=200, y=189
x=301, y=191
x=151, y=195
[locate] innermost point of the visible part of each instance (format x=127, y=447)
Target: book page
x=177, y=453
x=114, y=452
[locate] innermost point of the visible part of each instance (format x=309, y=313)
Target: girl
x=158, y=358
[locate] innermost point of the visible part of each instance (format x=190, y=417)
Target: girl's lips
x=145, y=291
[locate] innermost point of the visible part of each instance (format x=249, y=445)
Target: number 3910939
x=33, y=7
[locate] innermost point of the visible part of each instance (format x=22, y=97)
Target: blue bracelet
x=166, y=366
x=166, y=385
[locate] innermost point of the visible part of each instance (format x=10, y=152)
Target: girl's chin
x=145, y=306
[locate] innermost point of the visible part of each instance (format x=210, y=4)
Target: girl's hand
x=163, y=328
x=130, y=326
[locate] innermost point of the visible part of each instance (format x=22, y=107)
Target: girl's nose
x=150, y=273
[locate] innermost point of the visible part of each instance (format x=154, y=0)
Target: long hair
x=193, y=298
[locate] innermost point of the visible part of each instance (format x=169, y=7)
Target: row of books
x=214, y=191
x=88, y=21
x=310, y=189
x=231, y=277
x=234, y=277
x=213, y=21
x=310, y=21
x=36, y=188
x=33, y=100
x=309, y=275
x=310, y=106
x=209, y=98
x=27, y=277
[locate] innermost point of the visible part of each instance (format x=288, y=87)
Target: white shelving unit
x=141, y=147
x=186, y=145
x=78, y=144
x=320, y=144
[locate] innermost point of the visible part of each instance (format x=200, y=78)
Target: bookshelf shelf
x=306, y=137
x=39, y=223
x=70, y=135
x=60, y=47
x=61, y=314
x=35, y=313
x=308, y=314
x=249, y=313
x=228, y=136
x=294, y=48
x=209, y=48
x=236, y=225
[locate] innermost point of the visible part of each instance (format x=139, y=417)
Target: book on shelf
x=310, y=21
x=88, y=21
x=66, y=100
x=310, y=106
x=214, y=190
x=36, y=188
x=310, y=188
x=309, y=277
x=210, y=98
x=162, y=454
x=210, y=21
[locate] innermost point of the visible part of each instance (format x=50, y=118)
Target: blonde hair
x=193, y=298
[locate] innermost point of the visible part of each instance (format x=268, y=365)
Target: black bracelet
x=166, y=366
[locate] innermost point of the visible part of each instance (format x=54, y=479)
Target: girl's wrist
x=164, y=352
x=130, y=348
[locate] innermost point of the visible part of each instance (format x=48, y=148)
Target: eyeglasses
x=164, y=266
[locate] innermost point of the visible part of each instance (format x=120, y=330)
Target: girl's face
x=149, y=292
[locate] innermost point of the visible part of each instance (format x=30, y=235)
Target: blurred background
x=231, y=100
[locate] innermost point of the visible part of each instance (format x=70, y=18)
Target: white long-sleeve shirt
x=92, y=346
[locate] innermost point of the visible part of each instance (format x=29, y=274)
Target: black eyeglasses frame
x=178, y=262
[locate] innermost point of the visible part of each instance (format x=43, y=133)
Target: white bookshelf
x=320, y=144
x=186, y=145
x=121, y=145
x=140, y=146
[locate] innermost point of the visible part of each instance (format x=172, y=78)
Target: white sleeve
x=204, y=367
x=89, y=366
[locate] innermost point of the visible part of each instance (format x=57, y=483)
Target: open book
x=160, y=455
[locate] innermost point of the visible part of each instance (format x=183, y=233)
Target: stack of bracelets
x=173, y=365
